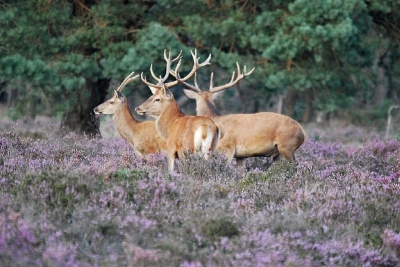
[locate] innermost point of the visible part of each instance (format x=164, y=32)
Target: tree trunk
x=289, y=102
x=292, y=100
x=307, y=99
x=279, y=107
x=80, y=118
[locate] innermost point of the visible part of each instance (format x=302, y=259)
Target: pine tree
x=61, y=56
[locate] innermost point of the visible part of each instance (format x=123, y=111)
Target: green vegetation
x=61, y=57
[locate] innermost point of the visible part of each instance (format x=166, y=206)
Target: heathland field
x=69, y=200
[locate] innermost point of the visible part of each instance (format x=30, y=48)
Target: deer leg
x=228, y=152
x=171, y=161
x=288, y=155
x=276, y=157
x=228, y=155
x=240, y=162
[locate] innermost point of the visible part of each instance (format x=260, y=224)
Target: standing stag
x=192, y=134
x=141, y=135
x=264, y=134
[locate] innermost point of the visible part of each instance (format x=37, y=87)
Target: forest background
x=71, y=199
x=315, y=60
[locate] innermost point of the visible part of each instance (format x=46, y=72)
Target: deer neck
x=124, y=121
x=165, y=121
x=206, y=108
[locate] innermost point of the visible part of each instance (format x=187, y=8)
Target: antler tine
x=169, y=61
x=212, y=81
x=175, y=59
x=233, y=81
x=244, y=70
x=167, y=68
x=195, y=80
x=196, y=60
x=177, y=69
x=143, y=78
x=127, y=80
x=248, y=73
x=173, y=73
x=196, y=66
x=194, y=87
x=152, y=73
x=238, y=70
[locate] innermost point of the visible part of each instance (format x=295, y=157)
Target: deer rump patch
x=203, y=138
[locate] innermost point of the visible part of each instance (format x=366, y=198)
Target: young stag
x=264, y=134
x=141, y=135
x=184, y=134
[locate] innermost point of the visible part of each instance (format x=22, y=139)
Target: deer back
x=248, y=135
x=260, y=134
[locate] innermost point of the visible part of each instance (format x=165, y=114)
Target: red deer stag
x=183, y=133
x=264, y=134
x=141, y=135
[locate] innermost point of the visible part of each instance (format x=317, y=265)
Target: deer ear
x=167, y=93
x=153, y=89
x=118, y=94
x=189, y=93
x=217, y=95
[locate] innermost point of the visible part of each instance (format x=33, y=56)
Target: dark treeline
x=338, y=58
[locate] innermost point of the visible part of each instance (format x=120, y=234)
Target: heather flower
x=70, y=200
x=191, y=264
x=141, y=255
x=392, y=240
x=242, y=205
x=59, y=254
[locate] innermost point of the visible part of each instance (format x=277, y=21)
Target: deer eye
x=156, y=100
x=111, y=102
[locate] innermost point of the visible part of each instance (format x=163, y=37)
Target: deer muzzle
x=97, y=112
x=140, y=111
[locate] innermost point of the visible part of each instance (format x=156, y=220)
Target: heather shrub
x=221, y=227
x=69, y=200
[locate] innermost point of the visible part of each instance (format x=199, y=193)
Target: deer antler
x=213, y=89
x=169, y=61
x=175, y=73
x=232, y=82
x=127, y=80
x=194, y=87
x=196, y=66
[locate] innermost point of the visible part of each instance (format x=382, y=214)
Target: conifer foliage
x=60, y=57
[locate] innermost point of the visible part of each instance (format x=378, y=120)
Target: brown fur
x=178, y=129
x=141, y=135
x=264, y=134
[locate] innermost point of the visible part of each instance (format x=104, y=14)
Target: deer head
x=162, y=96
x=157, y=103
x=205, y=99
x=117, y=101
